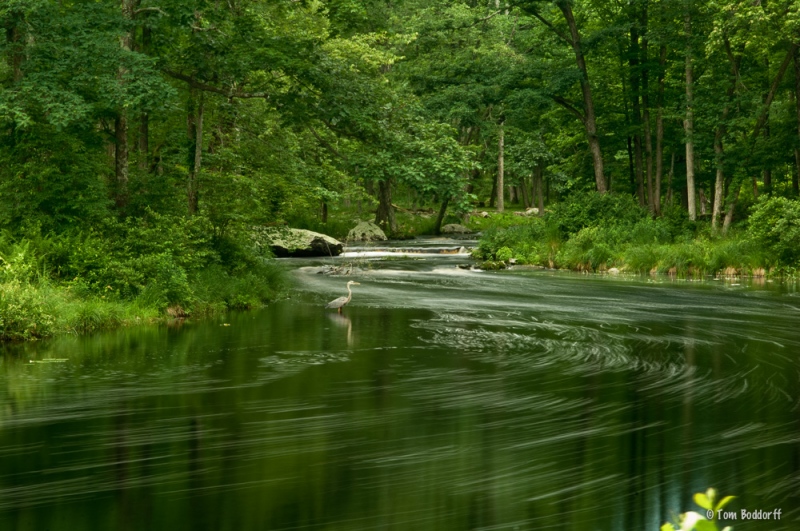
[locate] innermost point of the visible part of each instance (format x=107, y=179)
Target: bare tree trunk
x=121, y=120
x=539, y=186
x=324, y=212
x=703, y=201
x=144, y=119
x=767, y=175
x=385, y=213
x=796, y=175
x=731, y=208
x=523, y=193
x=633, y=62
x=500, y=187
x=16, y=55
x=688, y=123
x=662, y=60
x=144, y=141
x=669, y=179
x=719, y=183
x=589, y=119
x=196, y=144
x=648, y=137
x=121, y=158
x=437, y=228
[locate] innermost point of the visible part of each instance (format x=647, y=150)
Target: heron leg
x=340, y=310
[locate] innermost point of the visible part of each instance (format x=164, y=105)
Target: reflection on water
x=439, y=399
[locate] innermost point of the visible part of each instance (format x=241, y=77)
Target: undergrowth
x=594, y=232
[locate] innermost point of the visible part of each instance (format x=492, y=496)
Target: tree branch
x=326, y=144
x=762, y=118
x=484, y=19
x=149, y=9
x=568, y=106
x=551, y=26
x=230, y=93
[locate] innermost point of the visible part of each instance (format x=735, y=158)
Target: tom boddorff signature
x=744, y=514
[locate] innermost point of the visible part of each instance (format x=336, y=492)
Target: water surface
x=441, y=398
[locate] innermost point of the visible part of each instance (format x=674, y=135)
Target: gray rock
x=533, y=211
x=285, y=242
x=455, y=228
x=613, y=271
x=366, y=231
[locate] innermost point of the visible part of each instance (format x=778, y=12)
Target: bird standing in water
x=341, y=301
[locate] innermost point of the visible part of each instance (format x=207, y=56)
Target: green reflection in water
x=440, y=399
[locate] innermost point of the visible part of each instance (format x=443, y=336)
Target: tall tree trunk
x=719, y=183
x=648, y=137
x=437, y=228
x=121, y=159
x=196, y=151
x=144, y=141
x=662, y=60
x=633, y=62
x=796, y=176
x=589, y=119
x=385, y=214
x=669, y=179
x=121, y=120
x=500, y=187
x=144, y=119
x=731, y=209
x=688, y=123
x=523, y=193
x=16, y=50
x=767, y=175
x=539, y=186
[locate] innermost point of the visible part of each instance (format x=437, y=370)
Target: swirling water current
x=441, y=398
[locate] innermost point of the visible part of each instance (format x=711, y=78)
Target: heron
x=341, y=301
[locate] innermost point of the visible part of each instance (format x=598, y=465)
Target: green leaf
x=667, y=527
x=705, y=525
x=723, y=502
x=703, y=501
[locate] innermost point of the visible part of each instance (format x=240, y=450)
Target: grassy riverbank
x=140, y=270
x=595, y=232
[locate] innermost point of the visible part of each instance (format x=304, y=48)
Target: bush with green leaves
x=774, y=225
x=24, y=312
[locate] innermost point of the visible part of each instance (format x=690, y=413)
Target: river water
x=441, y=398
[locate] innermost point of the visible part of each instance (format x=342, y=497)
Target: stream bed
x=440, y=398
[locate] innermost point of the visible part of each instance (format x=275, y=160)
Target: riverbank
x=141, y=270
x=611, y=233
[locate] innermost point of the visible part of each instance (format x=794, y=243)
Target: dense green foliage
x=157, y=134
x=591, y=232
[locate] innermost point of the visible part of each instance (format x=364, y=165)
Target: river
x=441, y=398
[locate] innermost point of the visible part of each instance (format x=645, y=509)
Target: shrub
x=775, y=226
x=24, y=313
x=590, y=209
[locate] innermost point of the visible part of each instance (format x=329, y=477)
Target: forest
x=142, y=140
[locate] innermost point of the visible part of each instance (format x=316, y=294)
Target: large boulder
x=286, y=242
x=366, y=231
x=455, y=228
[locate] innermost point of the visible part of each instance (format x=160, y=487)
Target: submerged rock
x=366, y=231
x=490, y=265
x=455, y=228
x=286, y=242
